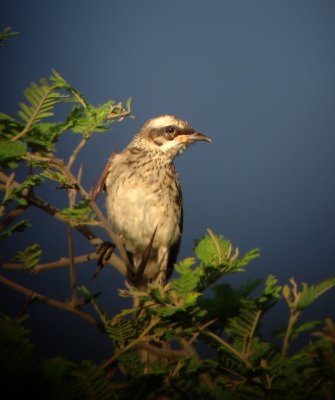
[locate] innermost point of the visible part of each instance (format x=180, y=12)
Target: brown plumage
x=144, y=194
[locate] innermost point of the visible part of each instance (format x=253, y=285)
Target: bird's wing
x=174, y=250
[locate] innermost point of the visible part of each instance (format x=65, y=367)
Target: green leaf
x=271, y=292
x=56, y=371
x=30, y=181
x=92, y=300
x=249, y=256
x=212, y=250
x=30, y=256
x=80, y=213
x=131, y=364
x=225, y=302
x=9, y=127
x=90, y=382
x=310, y=294
x=56, y=176
x=59, y=81
x=41, y=99
x=121, y=332
x=18, y=227
x=188, y=279
x=244, y=325
x=12, y=151
x=42, y=136
x=7, y=34
x=128, y=103
x=299, y=328
x=17, y=352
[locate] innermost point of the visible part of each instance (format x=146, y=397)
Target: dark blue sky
x=258, y=77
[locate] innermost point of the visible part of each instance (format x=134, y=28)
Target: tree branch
x=227, y=346
x=62, y=262
x=141, y=338
x=77, y=150
x=73, y=273
x=50, y=209
x=60, y=166
x=12, y=215
x=161, y=352
x=46, y=300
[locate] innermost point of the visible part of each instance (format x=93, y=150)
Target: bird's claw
x=104, y=251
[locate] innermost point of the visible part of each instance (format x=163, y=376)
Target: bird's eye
x=170, y=129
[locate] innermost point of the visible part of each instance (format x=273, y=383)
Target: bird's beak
x=196, y=136
x=189, y=138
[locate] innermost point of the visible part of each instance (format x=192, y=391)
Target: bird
x=144, y=199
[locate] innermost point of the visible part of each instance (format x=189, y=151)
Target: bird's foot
x=104, y=251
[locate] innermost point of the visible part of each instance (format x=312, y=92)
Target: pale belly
x=135, y=212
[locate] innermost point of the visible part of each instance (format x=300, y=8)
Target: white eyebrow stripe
x=165, y=120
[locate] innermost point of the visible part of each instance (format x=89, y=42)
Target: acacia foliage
x=176, y=322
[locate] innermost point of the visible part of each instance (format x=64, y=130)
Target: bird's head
x=167, y=134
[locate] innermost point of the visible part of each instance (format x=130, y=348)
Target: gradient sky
x=256, y=76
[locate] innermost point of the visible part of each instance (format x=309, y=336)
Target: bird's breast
x=138, y=202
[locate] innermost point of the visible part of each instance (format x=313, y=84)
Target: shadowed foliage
x=204, y=334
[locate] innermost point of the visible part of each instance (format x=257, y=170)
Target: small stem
x=133, y=343
x=59, y=165
x=228, y=347
x=62, y=262
x=204, y=377
x=252, y=332
x=160, y=352
x=73, y=273
x=76, y=151
x=291, y=322
x=44, y=299
x=33, y=117
x=114, y=260
x=12, y=215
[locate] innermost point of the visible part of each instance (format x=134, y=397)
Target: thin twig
x=36, y=201
x=142, y=338
x=12, y=215
x=77, y=150
x=227, y=346
x=60, y=166
x=52, y=302
x=62, y=262
x=73, y=273
x=252, y=332
x=33, y=117
x=291, y=322
x=161, y=352
x=205, y=377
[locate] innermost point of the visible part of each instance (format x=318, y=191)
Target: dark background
x=257, y=76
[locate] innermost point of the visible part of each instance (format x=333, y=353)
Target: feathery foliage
x=201, y=337
x=6, y=34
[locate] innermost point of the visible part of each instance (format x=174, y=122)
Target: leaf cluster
x=28, y=154
x=195, y=337
x=180, y=319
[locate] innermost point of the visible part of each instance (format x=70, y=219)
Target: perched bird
x=144, y=198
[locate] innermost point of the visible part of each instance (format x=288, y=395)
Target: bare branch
x=62, y=262
x=140, y=339
x=36, y=201
x=73, y=273
x=34, y=296
x=60, y=166
x=12, y=215
x=161, y=352
x=76, y=151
